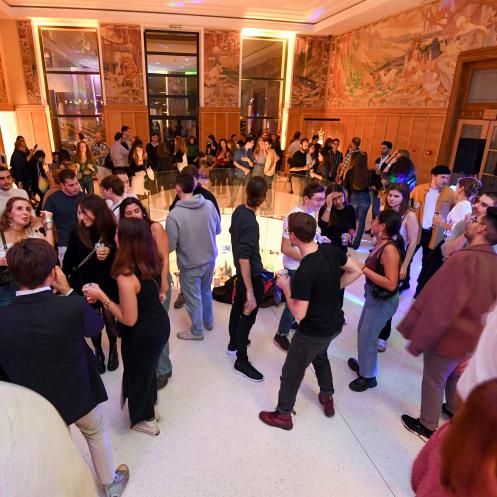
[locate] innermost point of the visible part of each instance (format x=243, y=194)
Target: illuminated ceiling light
x=271, y=33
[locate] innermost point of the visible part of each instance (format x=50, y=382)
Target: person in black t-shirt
x=314, y=299
x=249, y=287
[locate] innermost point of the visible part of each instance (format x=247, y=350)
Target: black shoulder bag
x=5, y=277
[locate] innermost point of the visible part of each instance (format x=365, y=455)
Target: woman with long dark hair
x=460, y=459
x=397, y=199
x=90, y=254
x=39, y=179
x=85, y=166
x=357, y=182
x=323, y=167
x=381, y=291
x=337, y=219
x=192, y=150
x=133, y=208
x=218, y=171
x=145, y=330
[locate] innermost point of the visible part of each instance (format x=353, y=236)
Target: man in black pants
x=249, y=287
x=314, y=299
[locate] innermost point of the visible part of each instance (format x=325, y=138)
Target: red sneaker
x=327, y=401
x=277, y=419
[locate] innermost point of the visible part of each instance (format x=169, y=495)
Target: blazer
x=43, y=348
x=447, y=316
x=444, y=204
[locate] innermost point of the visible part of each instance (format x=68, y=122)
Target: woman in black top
x=137, y=268
x=357, y=182
x=337, y=219
x=89, y=257
x=38, y=177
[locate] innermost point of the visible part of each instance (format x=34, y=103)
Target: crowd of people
x=76, y=232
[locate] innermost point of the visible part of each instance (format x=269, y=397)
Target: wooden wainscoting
x=134, y=116
x=221, y=122
x=417, y=129
x=33, y=125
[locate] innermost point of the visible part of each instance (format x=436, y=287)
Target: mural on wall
x=310, y=70
x=122, y=64
x=221, y=68
x=29, y=61
x=3, y=89
x=408, y=59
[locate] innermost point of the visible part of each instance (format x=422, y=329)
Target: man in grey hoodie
x=192, y=227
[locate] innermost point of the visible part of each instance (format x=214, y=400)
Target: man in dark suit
x=43, y=347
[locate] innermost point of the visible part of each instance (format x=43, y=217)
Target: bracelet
x=328, y=209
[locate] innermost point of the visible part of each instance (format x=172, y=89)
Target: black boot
x=113, y=362
x=99, y=355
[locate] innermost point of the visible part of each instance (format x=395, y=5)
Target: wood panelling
x=32, y=124
x=134, y=116
x=221, y=122
x=418, y=130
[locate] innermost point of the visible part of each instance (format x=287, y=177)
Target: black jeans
x=303, y=351
x=424, y=243
x=240, y=324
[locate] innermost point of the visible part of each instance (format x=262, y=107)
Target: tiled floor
x=212, y=443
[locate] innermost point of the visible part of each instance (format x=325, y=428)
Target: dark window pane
x=75, y=93
x=70, y=50
x=169, y=128
x=172, y=64
x=70, y=126
x=171, y=42
x=263, y=59
x=261, y=98
x=172, y=85
x=258, y=125
x=180, y=106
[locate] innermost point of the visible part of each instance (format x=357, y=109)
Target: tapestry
x=122, y=64
x=29, y=62
x=221, y=68
x=408, y=59
x=310, y=70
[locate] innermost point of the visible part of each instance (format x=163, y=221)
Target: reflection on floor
x=212, y=443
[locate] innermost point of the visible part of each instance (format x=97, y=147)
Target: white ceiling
x=314, y=16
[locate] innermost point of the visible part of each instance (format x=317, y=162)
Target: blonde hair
x=38, y=456
x=179, y=145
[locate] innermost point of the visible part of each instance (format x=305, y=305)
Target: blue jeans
x=86, y=183
x=164, y=366
x=287, y=318
x=196, y=285
x=360, y=201
x=374, y=316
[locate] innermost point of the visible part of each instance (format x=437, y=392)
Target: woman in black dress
x=337, y=219
x=145, y=329
x=90, y=254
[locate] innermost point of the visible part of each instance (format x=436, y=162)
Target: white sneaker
x=149, y=427
x=381, y=345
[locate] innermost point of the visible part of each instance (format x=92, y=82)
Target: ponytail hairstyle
x=393, y=221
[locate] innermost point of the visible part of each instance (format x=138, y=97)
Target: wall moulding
x=221, y=122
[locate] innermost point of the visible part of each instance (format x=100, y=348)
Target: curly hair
x=5, y=217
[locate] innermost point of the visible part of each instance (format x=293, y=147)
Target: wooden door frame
x=459, y=88
x=457, y=134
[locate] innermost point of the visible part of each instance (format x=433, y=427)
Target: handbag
x=380, y=293
x=42, y=182
x=5, y=277
x=150, y=173
x=71, y=277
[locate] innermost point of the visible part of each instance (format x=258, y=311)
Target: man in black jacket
x=43, y=347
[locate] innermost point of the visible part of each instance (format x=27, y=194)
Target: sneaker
x=327, y=400
x=282, y=341
x=149, y=427
x=353, y=364
x=361, y=384
x=277, y=419
x=414, y=425
x=188, y=335
x=121, y=477
x=381, y=345
x=163, y=380
x=246, y=369
x=446, y=413
x=231, y=350
x=180, y=301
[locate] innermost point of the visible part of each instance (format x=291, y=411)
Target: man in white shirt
x=483, y=363
x=118, y=152
x=313, y=198
x=112, y=190
x=7, y=190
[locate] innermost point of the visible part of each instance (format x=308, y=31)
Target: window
x=74, y=88
x=483, y=86
x=172, y=83
x=262, y=84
